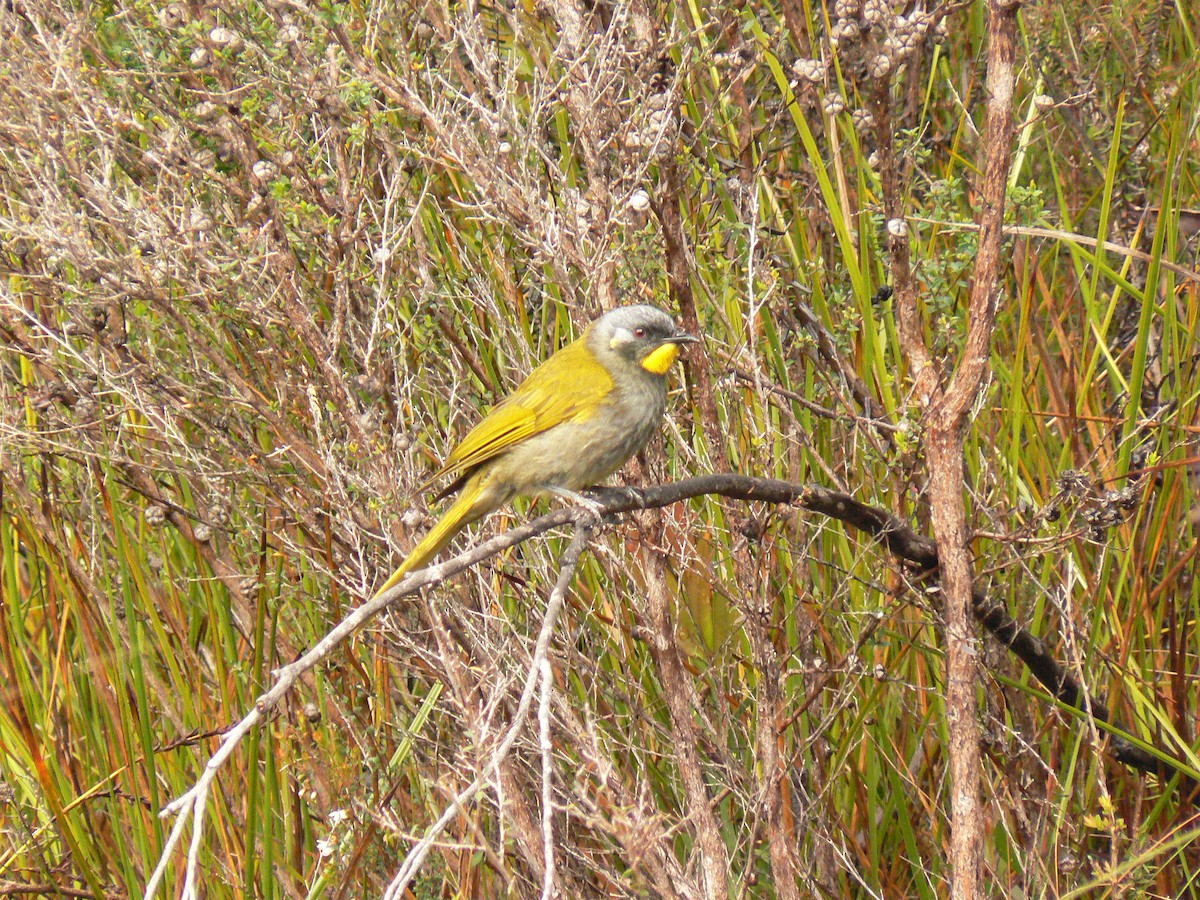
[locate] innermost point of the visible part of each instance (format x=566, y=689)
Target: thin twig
x=547, y=748
x=1070, y=237
x=567, y=565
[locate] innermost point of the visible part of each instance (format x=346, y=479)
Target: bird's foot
x=593, y=507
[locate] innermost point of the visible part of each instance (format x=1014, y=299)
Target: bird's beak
x=661, y=358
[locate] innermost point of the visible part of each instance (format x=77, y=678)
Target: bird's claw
x=594, y=508
x=595, y=511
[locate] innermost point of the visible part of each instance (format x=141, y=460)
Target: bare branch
x=897, y=536
x=416, y=856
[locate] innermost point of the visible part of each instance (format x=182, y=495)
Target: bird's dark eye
x=639, y=333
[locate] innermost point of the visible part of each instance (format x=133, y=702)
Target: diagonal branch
x=897, y=536
x=416, y=856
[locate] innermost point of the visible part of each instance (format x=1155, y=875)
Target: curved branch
x=897, y=536
x=900, y=539
x=920, y=552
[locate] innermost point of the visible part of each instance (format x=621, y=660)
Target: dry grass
x=263, y=263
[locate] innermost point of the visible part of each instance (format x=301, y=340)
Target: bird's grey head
x=643, y=334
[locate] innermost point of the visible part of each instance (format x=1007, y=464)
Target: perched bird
x=573, y=422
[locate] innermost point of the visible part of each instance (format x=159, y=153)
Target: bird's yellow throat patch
x=660, y=360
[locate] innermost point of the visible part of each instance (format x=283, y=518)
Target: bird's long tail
x=474, y=502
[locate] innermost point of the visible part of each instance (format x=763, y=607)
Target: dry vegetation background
x=262, y=264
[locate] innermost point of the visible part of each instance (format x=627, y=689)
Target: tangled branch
x=902, y=541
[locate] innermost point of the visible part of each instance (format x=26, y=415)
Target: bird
x=573, y=422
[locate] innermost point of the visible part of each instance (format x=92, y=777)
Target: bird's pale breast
x=575, y=455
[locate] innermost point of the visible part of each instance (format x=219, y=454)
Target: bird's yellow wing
x=569, y=386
